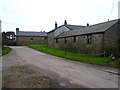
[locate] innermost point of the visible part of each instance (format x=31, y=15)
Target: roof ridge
x=74, y=25
x=33, y=31
x=103, y=22
x=101, y=27
x=65, y=26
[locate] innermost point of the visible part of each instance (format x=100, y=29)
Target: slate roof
x=23, y=33
x=101, y=27
x=71, y=27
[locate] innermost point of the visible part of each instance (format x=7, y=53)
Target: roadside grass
x=76, y=57
x=5, y=50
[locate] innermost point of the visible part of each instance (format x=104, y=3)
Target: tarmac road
x=64, y=72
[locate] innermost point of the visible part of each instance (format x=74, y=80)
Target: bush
x=11, y=43
x=6, y=50
x=114, y=49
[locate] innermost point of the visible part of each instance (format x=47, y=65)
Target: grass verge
x=76, y=57
x=5, y=50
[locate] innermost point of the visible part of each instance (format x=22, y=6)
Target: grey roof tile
x=71, y=27
x=23, y=33
x=101, y=27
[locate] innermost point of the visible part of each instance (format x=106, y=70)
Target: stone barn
x=90, y=39
x=59, y=30
x=29, y=38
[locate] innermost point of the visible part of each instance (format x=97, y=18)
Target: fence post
x=65, y=51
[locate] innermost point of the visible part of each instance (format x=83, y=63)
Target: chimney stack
x=87, y=24
x=55, y=24
x=17, y=30
x=65, y=22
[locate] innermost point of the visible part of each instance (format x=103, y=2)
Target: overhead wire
x=112, y=9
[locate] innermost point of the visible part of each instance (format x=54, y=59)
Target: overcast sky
x=40, y=15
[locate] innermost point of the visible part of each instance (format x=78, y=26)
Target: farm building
x=28, y=38
x=59, y=30
x=90, y=39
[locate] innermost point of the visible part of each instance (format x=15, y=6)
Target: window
x=89, y=39
x=56, y=40
x=45, y=38
x=31, y=38
x=74, y=39
x=65, y=41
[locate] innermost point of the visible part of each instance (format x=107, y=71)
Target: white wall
x=60, y=30
x=119, y=9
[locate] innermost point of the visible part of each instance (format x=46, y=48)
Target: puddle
x=63, y=84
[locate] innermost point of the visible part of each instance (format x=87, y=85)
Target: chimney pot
x=55, y=24
x=65, y=22
x=87, y=24
x=17, y=30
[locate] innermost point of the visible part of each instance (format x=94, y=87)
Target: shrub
x=11, y=43
x=6, y=50
x=113, y=49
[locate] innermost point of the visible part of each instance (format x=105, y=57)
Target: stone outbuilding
x=59, y=30
x=29, y=38
x=90, y=39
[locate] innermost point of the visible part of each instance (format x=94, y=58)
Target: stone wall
x=80, y=45
x=112, y=36
x=24, y=40
x=99, y=41
x=51, y=39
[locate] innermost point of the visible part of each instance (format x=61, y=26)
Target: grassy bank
x=5, y=50
x=76, y=57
